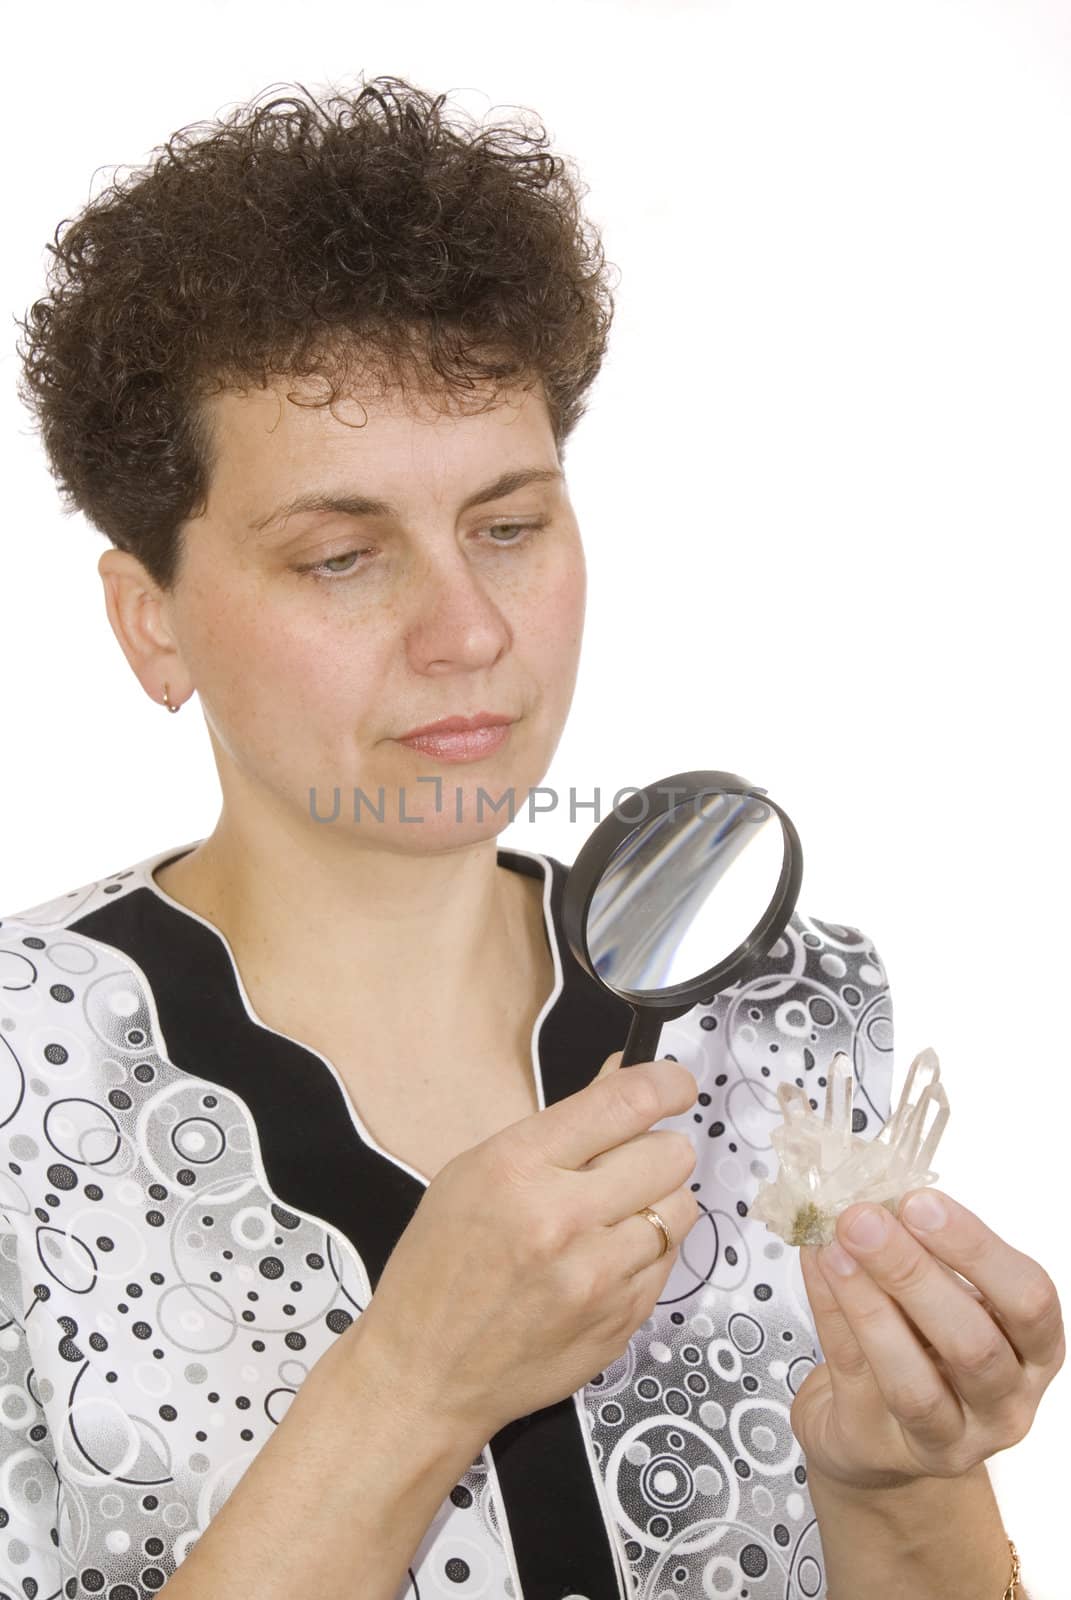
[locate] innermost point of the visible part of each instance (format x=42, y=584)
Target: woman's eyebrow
x=359, y=505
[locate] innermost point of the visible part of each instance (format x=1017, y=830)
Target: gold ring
x=659, y=1222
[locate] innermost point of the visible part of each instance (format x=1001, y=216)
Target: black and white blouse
x=192, y=1211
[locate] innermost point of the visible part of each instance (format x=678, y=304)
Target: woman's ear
x=136, y=611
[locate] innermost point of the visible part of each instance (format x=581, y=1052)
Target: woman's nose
x=456, y=621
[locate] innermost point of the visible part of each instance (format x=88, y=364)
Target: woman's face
x=316, y=637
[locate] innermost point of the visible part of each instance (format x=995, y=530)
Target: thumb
x=611, y=1064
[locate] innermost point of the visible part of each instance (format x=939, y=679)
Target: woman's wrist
x=340, y=1495
x=932, y=1539
x=371, y=1357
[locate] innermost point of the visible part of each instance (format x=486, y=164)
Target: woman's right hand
x=525, y=1269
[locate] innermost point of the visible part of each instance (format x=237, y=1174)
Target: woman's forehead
x=273, y=445
x=309, y=408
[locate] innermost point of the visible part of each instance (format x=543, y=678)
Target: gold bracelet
x=1016, y=1578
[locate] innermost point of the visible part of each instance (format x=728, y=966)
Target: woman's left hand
x=924, y=1375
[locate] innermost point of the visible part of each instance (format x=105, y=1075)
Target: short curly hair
x=361, y=232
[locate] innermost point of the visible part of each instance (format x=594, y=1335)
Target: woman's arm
x=933, y=1539
x=339, y=1497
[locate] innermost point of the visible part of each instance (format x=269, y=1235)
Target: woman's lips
x=468, y=746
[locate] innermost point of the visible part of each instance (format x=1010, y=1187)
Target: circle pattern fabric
x=160, y=1305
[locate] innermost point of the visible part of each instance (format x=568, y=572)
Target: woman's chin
x=438, y=809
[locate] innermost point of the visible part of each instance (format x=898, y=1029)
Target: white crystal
x=825, y=1167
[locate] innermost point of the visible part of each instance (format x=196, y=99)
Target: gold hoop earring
x=167, y=702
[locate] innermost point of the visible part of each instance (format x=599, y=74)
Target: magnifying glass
x=682, y=900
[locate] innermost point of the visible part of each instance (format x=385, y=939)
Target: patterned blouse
x=192, y=1211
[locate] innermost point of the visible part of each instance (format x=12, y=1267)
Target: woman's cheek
x=566, y=606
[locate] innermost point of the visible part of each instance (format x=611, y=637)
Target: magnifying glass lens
x=683, y=891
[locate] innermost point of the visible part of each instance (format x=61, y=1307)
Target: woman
x=383, y=1280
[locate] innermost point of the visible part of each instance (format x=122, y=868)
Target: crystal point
x=824, y=1167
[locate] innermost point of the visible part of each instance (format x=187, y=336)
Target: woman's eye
x=329, y=569
x=515, y=528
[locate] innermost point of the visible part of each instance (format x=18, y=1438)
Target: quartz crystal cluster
x=825, y=1167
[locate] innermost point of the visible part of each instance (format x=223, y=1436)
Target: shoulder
x=66, y=985
x=822, y=987
x=837, y=955
x=58, y=911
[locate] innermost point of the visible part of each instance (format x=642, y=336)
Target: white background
x=823, y=484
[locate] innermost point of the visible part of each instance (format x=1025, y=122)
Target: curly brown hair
x=360, y=233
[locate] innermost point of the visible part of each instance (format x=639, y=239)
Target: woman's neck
x=378, y=947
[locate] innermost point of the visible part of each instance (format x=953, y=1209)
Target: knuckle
x=547, y=1234
x=686, y=1079
x=854, y=1363
x=593, y=1284
x=1018, y=1419
x=981, y=1357
x=871, y=1316
x=1038, y=1301
x=917, y=1405
x=639, y=1096
x=908, y=1272
x=574, y=1282
x=973, y=1251
x=686, y=1148
x=504, y=1158
x=599, y=1284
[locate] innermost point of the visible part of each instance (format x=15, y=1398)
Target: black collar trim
x=319, y=1161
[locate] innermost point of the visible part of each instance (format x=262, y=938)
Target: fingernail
x=841, y=1262
x=924, y=1210
x=868, y=1229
